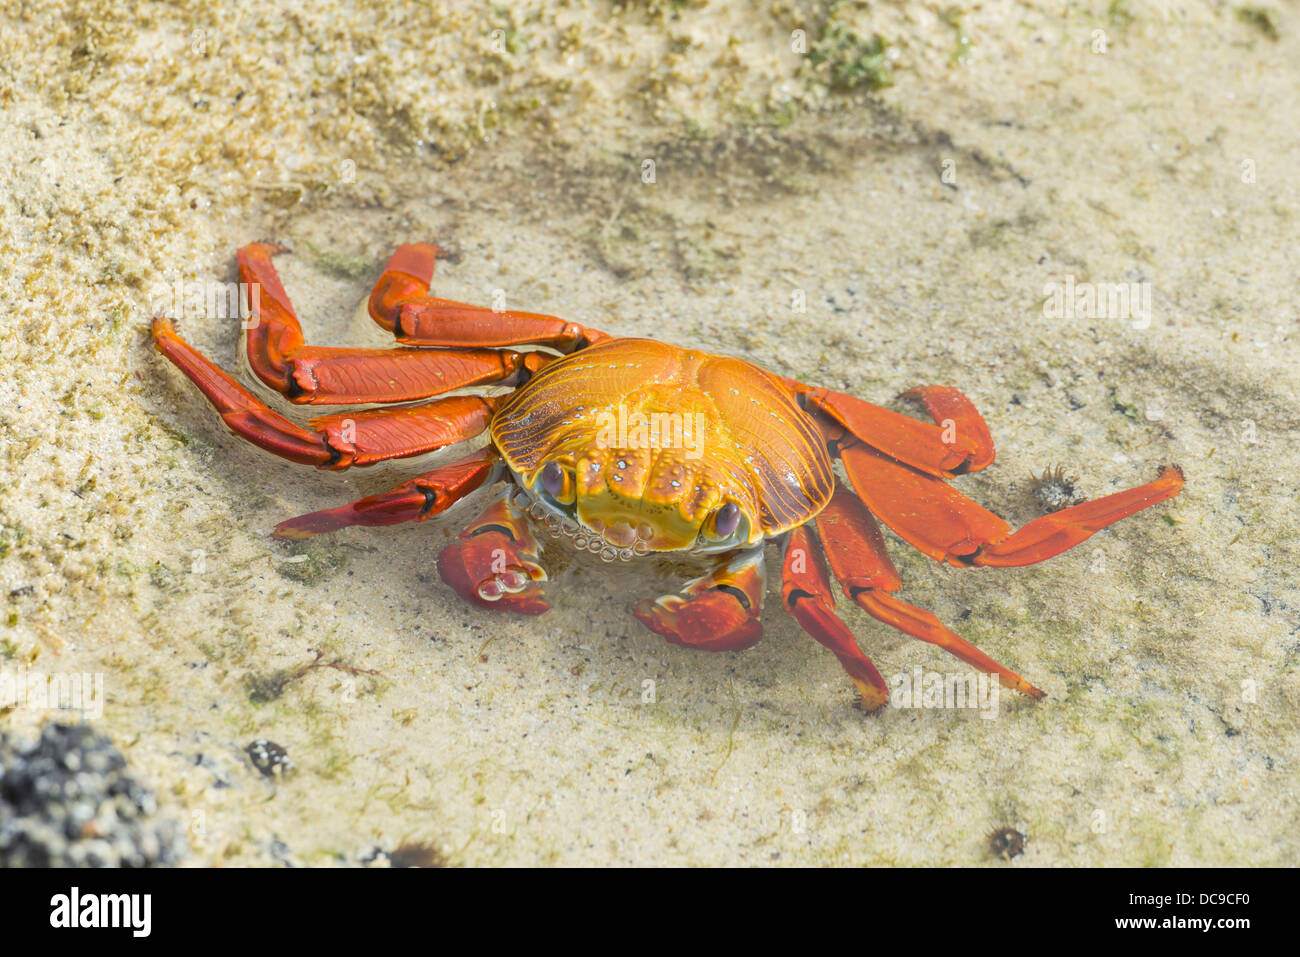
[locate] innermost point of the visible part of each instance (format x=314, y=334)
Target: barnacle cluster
x=1055, y=489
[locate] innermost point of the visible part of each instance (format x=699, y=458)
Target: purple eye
x=553, y=479
x=727, y=520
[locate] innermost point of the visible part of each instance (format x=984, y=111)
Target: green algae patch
x=339, y=265
x=1259, y=18
x=313, y=561
x=851, y=61
x=961, y=40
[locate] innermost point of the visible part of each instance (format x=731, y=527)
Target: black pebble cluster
x=67, y=801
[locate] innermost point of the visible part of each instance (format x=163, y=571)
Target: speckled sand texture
x=919, y=196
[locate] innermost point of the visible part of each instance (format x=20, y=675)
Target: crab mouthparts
x=621, y=534
x=616, y=541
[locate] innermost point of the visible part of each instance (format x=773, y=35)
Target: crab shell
x=653, y=441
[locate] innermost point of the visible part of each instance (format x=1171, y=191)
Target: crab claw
x=713, y=621
x=718, y=612
x=489, y=571
x=494, y=565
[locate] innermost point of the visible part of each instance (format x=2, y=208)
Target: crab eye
x=726, y=520
x=553, y=479
x=557, y=482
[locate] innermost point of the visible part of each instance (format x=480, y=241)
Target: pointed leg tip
x=871, y=697
x=870, y=700
x=312, y=524
x=1018, y=684
x=265, y=247
x=162, y=329
x=289, y=532
x=415, y=259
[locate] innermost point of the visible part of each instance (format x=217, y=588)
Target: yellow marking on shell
x=759, y=448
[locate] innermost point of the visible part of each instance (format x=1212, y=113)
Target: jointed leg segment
x=959, y=443
x=334, y=441
x=949, y=527
x=855, y=548
x=413, y=501
x=319, y=375
x=401, y=304
x=806, y=593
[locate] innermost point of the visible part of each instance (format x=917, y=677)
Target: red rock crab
x=633, y=447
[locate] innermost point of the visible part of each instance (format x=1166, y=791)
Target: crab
x=631, y=447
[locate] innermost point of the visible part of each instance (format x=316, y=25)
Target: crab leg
x=495, y=563
x=961, y=443
x=806, y=593
x=715, y=612
x=948, y=406
x=334, y=441
x=422, y=497
x=949, y=527
x=321, y=375
x=401, y=304
x=856, y=551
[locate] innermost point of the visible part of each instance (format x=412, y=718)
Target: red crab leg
x=334, y=441
x=806, y=592
x=422, y=497
x=716, y=612
x=855, y=549
x=401, y=304
x=961, y=447
x=946, y=405
x=495, y=563
x=949, y=527
x=321, y=375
